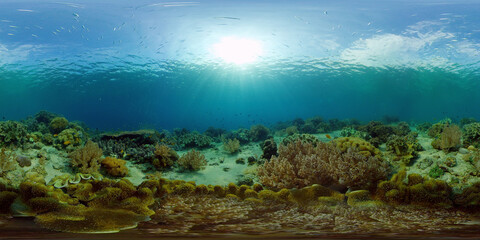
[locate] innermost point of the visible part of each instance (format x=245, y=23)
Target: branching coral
x=301, y=164
x=192, y=161
x=165, y=157
x=87, y=158
x=231, y=145
x=115, y=167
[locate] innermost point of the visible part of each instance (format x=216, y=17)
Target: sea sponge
x=58, y=124
x=87, y=158
x=115, y=167
x=165, y=157
x=192, y=161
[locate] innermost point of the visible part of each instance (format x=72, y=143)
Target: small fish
x=328, y=136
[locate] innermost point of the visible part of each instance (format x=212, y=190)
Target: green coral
x=436, y=172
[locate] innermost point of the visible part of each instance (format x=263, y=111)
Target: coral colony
x=308, y=176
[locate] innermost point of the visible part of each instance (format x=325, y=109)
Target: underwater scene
x=239, y=119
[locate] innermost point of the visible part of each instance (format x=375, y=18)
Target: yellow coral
x=362, y=146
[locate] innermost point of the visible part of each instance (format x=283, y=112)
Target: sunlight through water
x=237, y=50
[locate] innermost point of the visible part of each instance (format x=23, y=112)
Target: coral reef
x=7, y=162
x=359, y=145
x=404, y=148
x=87, y=158
x=423, y=127
x=58, y=124
x=215, y=133
x=301, y=164
x=69, y=139
x=291, y=130
x=185, y=139
x=417, y=191
x=378, y=132
x=231, y=145
x=240, y=134
x=12, y=134
x=115, y=167
x=258, y=133
x=352, y=132
x=449, y=138
x=87, y=206
x=137, y=146
x=302, y=137
x=471, y=134
x=192, y=161
x=165, y=157
x=269, y=149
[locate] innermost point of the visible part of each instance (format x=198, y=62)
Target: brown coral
x=87, y=158
x=300, y=164
x=165, y=157
x=115, y=167
x=192, y=161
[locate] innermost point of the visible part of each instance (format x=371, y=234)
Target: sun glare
x=237, y=50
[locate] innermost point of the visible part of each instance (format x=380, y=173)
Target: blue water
x=149, y=64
